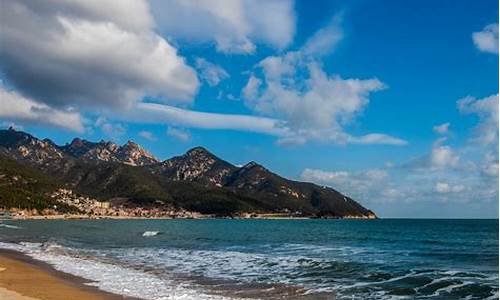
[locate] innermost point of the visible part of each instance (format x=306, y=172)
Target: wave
x=150, y=233
x=177, y=273
x=111, y=277
x=9, y=226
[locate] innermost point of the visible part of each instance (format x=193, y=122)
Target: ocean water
x=270, y=259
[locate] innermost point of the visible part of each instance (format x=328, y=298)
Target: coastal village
x=93, y=208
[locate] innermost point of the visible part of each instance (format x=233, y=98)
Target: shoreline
x=24, y=278
x=206, y=217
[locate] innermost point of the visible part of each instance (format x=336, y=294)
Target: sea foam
x=150, y=233
x=111, y=277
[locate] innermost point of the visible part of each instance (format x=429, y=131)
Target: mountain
x=130, y=153
x=197, y=180
x=25, y=147
x=197, y=165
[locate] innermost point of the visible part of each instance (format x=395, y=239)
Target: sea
x=269, y=259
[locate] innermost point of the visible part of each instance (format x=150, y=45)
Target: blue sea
x=270, y=259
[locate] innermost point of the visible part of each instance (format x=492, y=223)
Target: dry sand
x=22, y=278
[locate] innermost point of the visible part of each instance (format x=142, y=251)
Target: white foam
x=113, y=278
x=9, y=226
x=150, y=233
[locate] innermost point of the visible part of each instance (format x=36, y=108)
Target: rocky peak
x=131, y=144
x=252, y=166
x=130, y=153
x=133, y=154
x=198, y=152
x=199, y=165
x=26, y=147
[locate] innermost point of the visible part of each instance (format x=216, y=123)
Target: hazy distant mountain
x=197, y=180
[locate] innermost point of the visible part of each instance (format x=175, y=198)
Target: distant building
x=104, y=205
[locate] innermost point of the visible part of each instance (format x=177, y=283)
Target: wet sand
x=23, y=278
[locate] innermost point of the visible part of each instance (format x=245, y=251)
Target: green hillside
x=24, y=187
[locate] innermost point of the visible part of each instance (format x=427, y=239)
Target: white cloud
x=325, y=39
x=148, y=135
x=443, y=156
x=378, y=138
x=211, y=73
x=465, y=174
x=358, y=184
x=113, y=131
x=487, y=111
x=442, y=129
x=90, y=54
x=324, y=176
x=234, y=25
x=313, y=105
x=179, y=134
x=490, y=165
x=251, y=89
x=444, y=187
x=16, y=108
x=153, y=113
x=376, y=174
x=323, y=103
x=487, y=39
x=315, y=108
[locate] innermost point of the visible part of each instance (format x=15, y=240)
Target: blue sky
x=351, y=94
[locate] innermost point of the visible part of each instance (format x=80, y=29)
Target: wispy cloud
x=148, y=135
x=179, y=134
x=211, y=73
x=153, y=113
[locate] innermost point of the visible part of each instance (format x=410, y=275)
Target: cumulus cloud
x=314, y=105
x=486, y=40
x=443, y=156
x=211, y=73
x=486, y=109
x=90, y=54
x=148, y=135
x=179, y=134
x=326, y=102
x=235, y=26
x=466, y=174
x=16, y=108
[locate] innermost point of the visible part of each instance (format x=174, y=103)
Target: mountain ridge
x=197, y=179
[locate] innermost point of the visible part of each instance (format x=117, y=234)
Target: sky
x=395, y=105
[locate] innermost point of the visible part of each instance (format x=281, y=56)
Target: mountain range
x=197, y=180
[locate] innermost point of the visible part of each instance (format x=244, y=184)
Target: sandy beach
x=23, y=278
